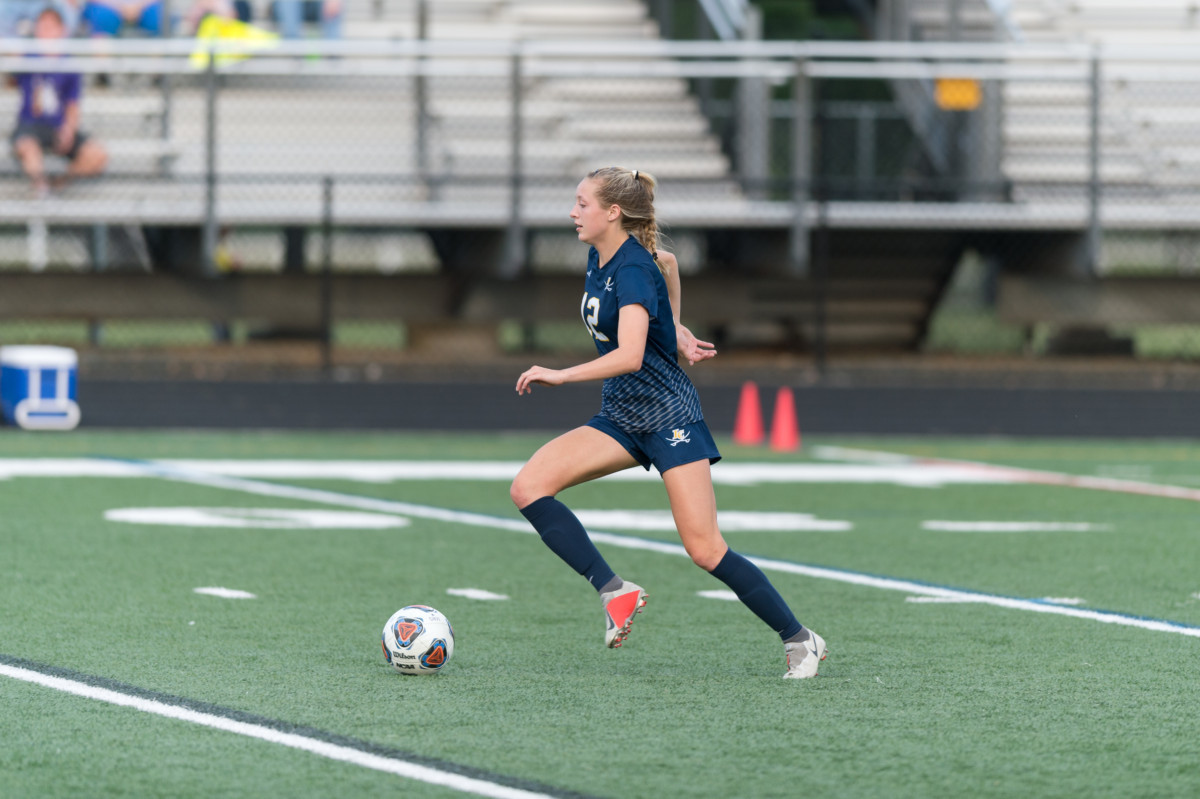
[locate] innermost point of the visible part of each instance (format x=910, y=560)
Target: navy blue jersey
x=658, y=396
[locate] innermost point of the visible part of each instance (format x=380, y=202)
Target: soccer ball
x=418, y=640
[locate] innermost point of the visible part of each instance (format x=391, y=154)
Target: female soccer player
x=649, y=414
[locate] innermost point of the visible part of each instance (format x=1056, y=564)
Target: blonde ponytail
x=633, y=192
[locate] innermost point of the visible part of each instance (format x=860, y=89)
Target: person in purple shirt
x=48, y=121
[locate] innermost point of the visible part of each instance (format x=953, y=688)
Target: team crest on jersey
x=608, y=284
x=679, y=437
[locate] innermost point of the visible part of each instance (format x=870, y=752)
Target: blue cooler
x=37, y=387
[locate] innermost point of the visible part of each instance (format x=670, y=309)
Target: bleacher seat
x=1147, y=130
x=273, y=131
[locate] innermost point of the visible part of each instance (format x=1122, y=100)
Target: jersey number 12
x=590, y=310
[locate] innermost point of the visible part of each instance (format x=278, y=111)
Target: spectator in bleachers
x=292, y=14
x=110, y=17
x=48, y=120
x=17, y=16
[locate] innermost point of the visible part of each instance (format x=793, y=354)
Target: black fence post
x=1091, y=265
x=327, y=275
x=821, y=255
x=209, y=238
x=514, y=250
x=802, y=165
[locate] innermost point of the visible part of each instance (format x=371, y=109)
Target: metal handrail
x=1003, y=11
x=727, y=17
x=340, y=56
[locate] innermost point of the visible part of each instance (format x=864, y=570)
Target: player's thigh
x=694, y=508
x=26, y=143
x=575, y=457
x=89, y=155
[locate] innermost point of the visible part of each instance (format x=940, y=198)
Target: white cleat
x=620, y=607
x=804, y=657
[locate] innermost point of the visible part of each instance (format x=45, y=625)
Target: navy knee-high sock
x=757, y=593
x=562, y=531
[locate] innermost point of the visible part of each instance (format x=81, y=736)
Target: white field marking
x=730, y=521
x=940, y=600
x=740, y=474
x=932, y=476
x=885, y=468
x=627, y=542
x=225, y=593
x=933, y=600
x=269, y=518
x=314, y=746
x=1015, y=475
x=719, y=593
x=476, y=593
x=1013, y=603
x=1013, y=527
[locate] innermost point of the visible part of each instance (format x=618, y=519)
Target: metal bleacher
x=1121, y=138
x=1148, y=125
x=296, y=137
x=309, y=120
x=1147, y=121
x=421, y=140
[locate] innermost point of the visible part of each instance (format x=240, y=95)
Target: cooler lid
x=38, y=357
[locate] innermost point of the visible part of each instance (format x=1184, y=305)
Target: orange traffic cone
x=785, y=432
x=748, y=428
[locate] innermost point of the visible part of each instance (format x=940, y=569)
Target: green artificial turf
x=915, y=699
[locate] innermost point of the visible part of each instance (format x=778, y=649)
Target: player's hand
x=691, y=348
x=64, y=138
x=538, y=374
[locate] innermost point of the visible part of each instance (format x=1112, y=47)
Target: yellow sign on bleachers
x=958, y=94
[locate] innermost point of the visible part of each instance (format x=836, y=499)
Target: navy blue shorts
x=665, y=449
x=46, y=136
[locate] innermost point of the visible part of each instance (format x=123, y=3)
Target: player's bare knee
x=522, y=492
x=706, y=558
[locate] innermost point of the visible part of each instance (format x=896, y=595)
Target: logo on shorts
x=678, y=437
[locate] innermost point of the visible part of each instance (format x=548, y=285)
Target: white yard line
x=224, y=593
x=739, y=474
x=345, y=754
x=989, y=472
x=948, y=526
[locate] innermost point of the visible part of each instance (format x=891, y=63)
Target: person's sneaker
x=803, y=657
x=620, y=607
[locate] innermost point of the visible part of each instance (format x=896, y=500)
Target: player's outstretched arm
x=690, y=348
x=633, y=325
